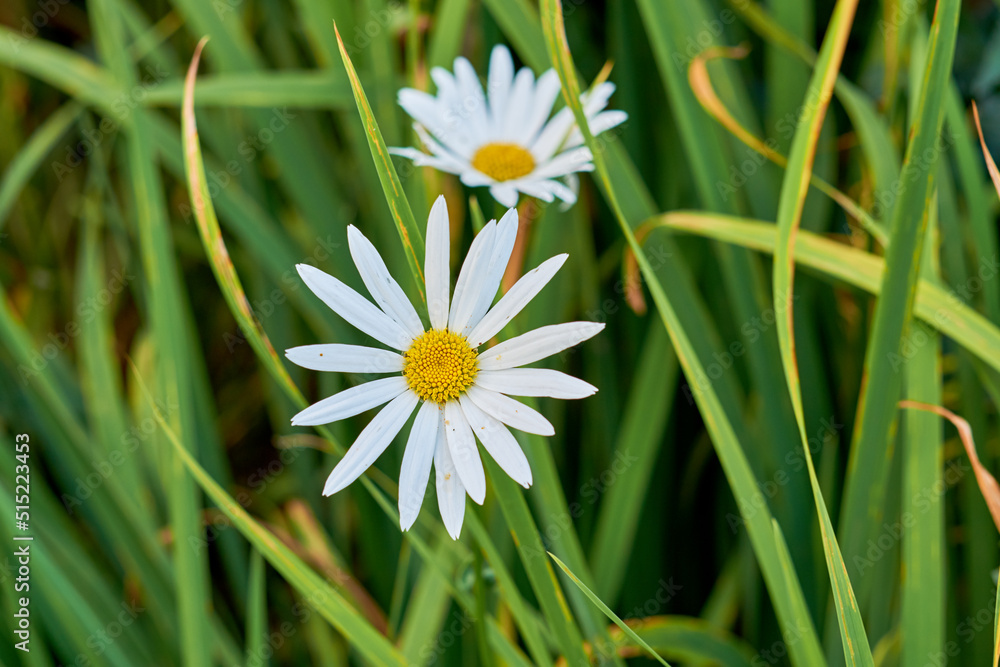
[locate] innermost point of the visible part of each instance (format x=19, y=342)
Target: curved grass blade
x=211, y=236
x=607, y=612
x=734, y=462
x=694, y=641
x=701, y=84
x=794, y=189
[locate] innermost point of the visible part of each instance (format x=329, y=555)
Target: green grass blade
x=256, y=626
x=607, y=612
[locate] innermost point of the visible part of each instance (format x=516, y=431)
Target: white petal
x=498, y=85
x=516, y=298
x=475, y=178
x=499, y=442
x=417, y=459
x=384, y=289
x=504, y=193
x=464, y=453
x=537, y=344
x=450, y=491
x=354, y=308
x=512, y=413
x=552, y=135
x=437, y=270
x=472, y=99
x=546, y=91
x=537, y=189
x=345, y=358
x=351, y=401
x=518, y=105
x=445, y=152
x=467, y=286
x=600, y=123
x=371, y=443
x=534, y=382
x=567, y=162
x=423, y=108
x=503, y=245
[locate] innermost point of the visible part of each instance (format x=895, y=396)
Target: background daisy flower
x=460, y=391
x=505, y=138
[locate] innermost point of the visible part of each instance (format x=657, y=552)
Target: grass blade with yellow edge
x=409, y=232
x=788, y=599
x=211, y=235
x=794, y=188
x=871, y=448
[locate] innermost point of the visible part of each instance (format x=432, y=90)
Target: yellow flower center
x=440, y=365
x=503, y=162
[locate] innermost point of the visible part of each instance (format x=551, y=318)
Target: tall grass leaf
x=871, y=448
x=768, y=551
x=791, y=203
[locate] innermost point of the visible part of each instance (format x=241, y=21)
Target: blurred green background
x=106, y=280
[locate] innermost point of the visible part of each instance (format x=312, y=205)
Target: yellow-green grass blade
x=322, y=597
x=786, y=597
x=933, y=304
x=794, y=189
x=873, y=133
x=701, y=84
x=639, y=641
x=29, y=158
x=409, y=233
x=871, y=447
x=922, y=621
x=449, y=30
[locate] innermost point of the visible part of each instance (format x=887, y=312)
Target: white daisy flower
x=505, y=138
x=460, y=390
